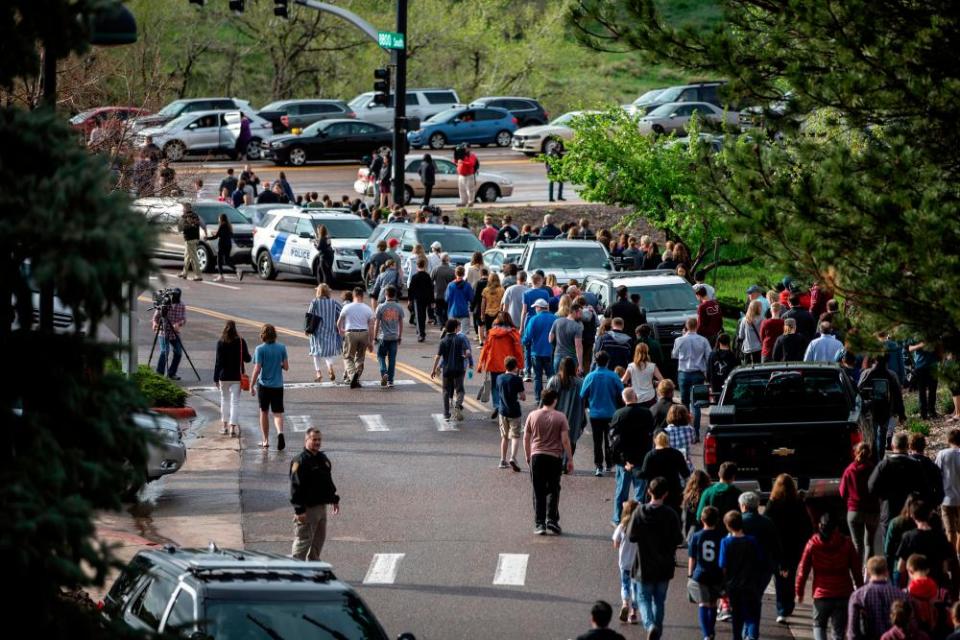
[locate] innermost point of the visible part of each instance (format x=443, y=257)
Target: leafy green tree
x=69, y=448
x=856, y=184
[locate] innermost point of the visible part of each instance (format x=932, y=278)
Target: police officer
x=311, y=490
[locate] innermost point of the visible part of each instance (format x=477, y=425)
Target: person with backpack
x=601, y=392
x=631, y=438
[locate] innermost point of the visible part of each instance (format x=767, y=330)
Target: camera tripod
x=165, y=325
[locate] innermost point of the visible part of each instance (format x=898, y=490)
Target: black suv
x=527, y=111
x=214, y=593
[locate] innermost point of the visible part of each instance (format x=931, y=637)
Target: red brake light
x=515, y=121
x=709, y=449
x=350, y=114
x=100, y=605
x=285, y=121
x=855, y=438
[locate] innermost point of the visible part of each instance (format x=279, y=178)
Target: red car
x=113, y=120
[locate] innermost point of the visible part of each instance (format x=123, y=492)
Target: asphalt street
x=434, y=536
x=337, y=178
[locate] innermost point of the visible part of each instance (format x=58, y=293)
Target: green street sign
x=390, y=40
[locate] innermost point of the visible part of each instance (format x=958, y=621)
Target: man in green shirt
x=722, y=495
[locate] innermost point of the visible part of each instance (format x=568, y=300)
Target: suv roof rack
x=640, y=274
x=199, y=566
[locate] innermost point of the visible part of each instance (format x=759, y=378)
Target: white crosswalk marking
x=383, y=568
x=374, y=422
x=323, y=385
x=511, y=569
x=443, y=424
x=298, y=423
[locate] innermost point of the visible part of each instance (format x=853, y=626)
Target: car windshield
x=778, y=389
x=345, y=228
x=648, y=97
x=445, y=115
x=316, y=127
x=83, y=115
x=566, y=257
x=361, y=101
x=669, y=95
x=210, y=212
x=451, y=242
x=286, y=619
x=172, y=109
x=565, y=119
x=671, y=297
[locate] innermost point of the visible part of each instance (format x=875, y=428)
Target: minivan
x=286, y=115
x=421, y=103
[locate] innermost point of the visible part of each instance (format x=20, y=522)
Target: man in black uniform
x=311, y=490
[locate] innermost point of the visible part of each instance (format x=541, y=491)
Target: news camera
x=163, y=298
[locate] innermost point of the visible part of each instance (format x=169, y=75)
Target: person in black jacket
x=897, y=476
x=669, y=464
x=600, y=616
x=224, y=238
x=325, y=264
x=932, y=476
x=656, y=530
x=790, y=346
x=661, y=407
x=311, y=490
x=631, y=430
x=632, y=315
x=428, y=177
x=232, y=352
x=721, y=362
x=806, y=323
x=420, y=294
x=189, y=226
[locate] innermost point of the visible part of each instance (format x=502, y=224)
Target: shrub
x=158, y=390
x=918, y=426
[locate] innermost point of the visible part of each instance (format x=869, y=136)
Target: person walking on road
x=692, y=352
x=786, y=510
x=748, y=333
x=601, y=393
x=428, y=177
x=568, y=384
x=190, y=229
x=420, y=294
x=453, y=357
x=325, y=247
x=765, y=533
x=224, y=238
x=704, y=575
x=388, y=329
x=626, y=556
x=566, y=335
x=894, y=478
x=655, y=528
x=631, y=438
x=311, y=490
x=231, y=354
x=536, y=338
x=510, y=392
x=868, y=612
x=666, y=462
x=600, y=615
x=326, y=343
x=723, y=495
x=269, y=363
x=503, y=341
x=863, y=509
x=643, y=376
x=740, y=559
x=442, y=276
x=355, y=324
x=459, y=296
x=546, y=439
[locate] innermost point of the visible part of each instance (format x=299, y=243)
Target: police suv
x=285, y=241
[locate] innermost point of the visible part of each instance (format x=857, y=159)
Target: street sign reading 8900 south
x=390, y=40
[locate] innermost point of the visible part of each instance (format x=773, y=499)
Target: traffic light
x=381, y=87
x=280, y=8
x=236, y=6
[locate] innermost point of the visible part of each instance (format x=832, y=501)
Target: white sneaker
x=218, y=279
x=781, y=620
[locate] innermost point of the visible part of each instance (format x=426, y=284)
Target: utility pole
x=399, y=57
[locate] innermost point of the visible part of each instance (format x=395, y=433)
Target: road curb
x=178, y=413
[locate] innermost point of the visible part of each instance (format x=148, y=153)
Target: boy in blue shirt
x=269, y=363
x=453, y=357
x=741, y=560
x=510, y=390
x=705, y=577
x=601, y=393
x=536, y=336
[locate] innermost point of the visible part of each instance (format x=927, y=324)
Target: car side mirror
x=306, y=235
x=192, y=125
x=701, y=394
x=673, y=115
x=456, y=121
x=371, y=105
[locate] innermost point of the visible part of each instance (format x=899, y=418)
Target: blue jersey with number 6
x=704, y=548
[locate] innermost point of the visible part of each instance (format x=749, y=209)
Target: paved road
x=436, y=538
x=337, y=178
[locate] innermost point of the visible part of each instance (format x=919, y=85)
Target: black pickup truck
x=801, y=418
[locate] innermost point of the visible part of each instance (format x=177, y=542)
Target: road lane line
x=298, y=423
x=511, y=569
x=217, y=284
x=383, y=568
x=443, y=424
x=374, y=422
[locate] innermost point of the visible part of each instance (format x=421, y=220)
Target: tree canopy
x=853, y=182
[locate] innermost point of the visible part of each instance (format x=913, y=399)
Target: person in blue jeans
x=742, y=561
x=633, y=426
x=655, y=527
x=536, y=335
x=168, y=322
x=692, y=352
x=388, y=329
x=601, y=393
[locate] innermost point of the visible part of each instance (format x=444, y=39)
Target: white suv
x=421, y=103
x=566, y=259
x=210, y=132
x=285, y=241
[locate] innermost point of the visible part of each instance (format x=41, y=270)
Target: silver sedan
x=675, y=116
x=490, y=186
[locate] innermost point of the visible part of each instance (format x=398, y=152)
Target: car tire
x=657, y=129
x=265, y=268
x=550, y=144
x=297, y=156
x=504, y=138
x=407, y=194
x=437, y=141
x=205, y=259
x=253, y=149
x=488, y=192
x=174, y=151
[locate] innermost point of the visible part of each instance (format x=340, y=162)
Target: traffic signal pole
x=399, y=57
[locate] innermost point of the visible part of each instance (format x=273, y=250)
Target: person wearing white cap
x=536, y=336
x=433, y=258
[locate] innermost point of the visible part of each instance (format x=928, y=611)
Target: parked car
x=666, y=298
x=165, y=214
x=527, y=111
x=696, y=92
x=112, y=121
x=640, y=106
x=188, y=105
x=459, y=242
x=482, y=126
x=327, y=140
x=675, y=117
x=542, y=139
x=254, y=212
x=213, y=593
x=166, y=451
x=567, y=259
x=801, y=418
x=286, y=115
x=420, y=103
x=285, y=242
x=206, y=132
x=490, y=186
x=502, y=254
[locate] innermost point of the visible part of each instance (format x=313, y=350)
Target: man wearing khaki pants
x=190, y=228
x=355, y=324
x=311, y=490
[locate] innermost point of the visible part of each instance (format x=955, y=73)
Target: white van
x=421, y=103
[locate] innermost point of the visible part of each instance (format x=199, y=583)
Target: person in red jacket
x=836, y=568
x=863, y=509
x=770, y=330
x=709, y=315
x=466, y=176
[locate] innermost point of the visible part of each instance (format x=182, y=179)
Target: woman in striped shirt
x=326, y=342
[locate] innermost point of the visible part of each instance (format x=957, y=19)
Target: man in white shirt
x=691, y=351
x=355, y=324
x=825, y=348
x=949, y=462
x=433, y=258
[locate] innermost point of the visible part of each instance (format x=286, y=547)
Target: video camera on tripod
x=163, y=299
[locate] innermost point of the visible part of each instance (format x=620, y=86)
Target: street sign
x=390, y=40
